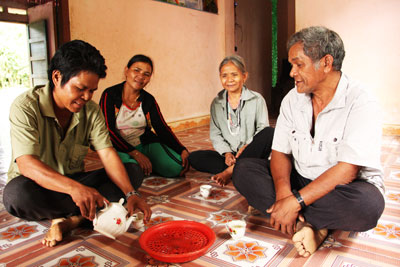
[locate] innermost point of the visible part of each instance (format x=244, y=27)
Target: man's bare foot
x=307, y=239
x=223, y=178
x=58, y=227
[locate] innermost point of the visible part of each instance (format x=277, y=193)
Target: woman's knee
x=169, y=171
x=207, y=161
x=196, y=157
x=268, y=133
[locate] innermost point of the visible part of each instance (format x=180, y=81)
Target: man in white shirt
x=330, y=129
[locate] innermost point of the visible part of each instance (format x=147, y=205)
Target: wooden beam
x=9, y=17
x=62, y=21
x=5, y=16
x=22, y=4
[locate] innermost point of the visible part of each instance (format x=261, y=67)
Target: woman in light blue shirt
x=237, y=115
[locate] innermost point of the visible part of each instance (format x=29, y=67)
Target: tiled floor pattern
x=179, y=199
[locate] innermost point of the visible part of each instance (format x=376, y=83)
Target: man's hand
x=134, y=203
x=185, y=162
x=284, y=214
x=143, y=161
x=229, y=159
x=87, y=199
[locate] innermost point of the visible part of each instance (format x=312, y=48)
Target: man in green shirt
x=52, y=128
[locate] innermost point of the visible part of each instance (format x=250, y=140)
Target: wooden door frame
x=61, y=18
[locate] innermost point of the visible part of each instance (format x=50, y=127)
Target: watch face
x=129, y=194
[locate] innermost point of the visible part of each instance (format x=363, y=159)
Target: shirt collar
x=338, y=100
x=246, y=95
x=46, y=105
x=46, y=101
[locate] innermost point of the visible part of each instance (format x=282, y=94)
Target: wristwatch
x=299, y=199
x=131, y=193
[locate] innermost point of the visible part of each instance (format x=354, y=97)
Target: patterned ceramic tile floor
x=179, y=199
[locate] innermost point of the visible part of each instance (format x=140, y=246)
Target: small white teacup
x=138, y=221
x=236, y=228
x=205, y=190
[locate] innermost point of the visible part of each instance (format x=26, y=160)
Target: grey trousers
x=24, y=198
x=353, y=207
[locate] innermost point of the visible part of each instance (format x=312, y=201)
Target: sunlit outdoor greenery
x=14, y=64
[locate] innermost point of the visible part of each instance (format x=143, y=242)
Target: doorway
x=253, y=35
x=14, y=79
x=24, y=54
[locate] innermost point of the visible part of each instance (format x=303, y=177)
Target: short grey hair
x=319, y=41
x=236, y=60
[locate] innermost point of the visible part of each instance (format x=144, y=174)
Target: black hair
x=140, y=58
x=72, y=58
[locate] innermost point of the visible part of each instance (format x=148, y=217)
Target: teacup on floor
x=205, y=190
x=236, y=228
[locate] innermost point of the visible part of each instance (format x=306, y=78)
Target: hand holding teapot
x=112, y=221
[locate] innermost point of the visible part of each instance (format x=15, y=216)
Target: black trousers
x=212, y=162
x=353, y=207
x=24, y=198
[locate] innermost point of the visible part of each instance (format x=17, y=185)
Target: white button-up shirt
x=348, y=129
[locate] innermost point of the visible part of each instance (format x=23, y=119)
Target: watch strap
x=299, y=198
x=131, y=193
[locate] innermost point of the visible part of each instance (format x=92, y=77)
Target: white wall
x=370, y=30
x=186, y=46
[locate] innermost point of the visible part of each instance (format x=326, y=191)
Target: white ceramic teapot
x=111, y=221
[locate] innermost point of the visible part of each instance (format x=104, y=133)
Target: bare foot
x=223, y=178
x=307, y=239
x=58, y=227
x=253, y=211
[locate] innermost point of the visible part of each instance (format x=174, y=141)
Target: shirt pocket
x=332, y=147
x=300, y=143
x=78, y=154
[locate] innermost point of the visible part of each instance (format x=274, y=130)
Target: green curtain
x=274, y=38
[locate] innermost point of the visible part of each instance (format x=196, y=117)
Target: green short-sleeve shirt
x=36, y=131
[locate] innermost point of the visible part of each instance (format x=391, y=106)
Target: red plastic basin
x=177, y=241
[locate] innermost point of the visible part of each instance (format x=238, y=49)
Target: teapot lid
x=118, y=204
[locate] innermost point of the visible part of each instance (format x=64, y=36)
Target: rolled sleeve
x=361, y=142
x=99, y=137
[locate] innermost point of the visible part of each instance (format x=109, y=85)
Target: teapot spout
x=129, y=221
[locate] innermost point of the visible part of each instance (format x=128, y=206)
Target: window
x=205, y=5
x=17, y=11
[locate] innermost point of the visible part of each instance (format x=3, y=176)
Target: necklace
x=131, y=105
x=233, y=125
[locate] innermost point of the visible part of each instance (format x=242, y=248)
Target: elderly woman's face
x=306, y=76
x=232, y=78
x=138, y=75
